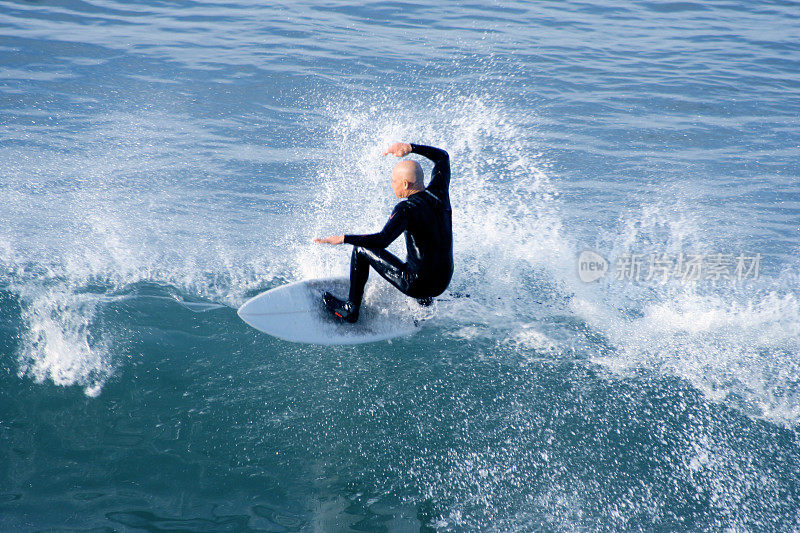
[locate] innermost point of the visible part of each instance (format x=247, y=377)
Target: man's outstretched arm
x=396, y=225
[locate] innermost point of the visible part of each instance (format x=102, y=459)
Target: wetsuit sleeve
x=440, y=177
x=397, y=224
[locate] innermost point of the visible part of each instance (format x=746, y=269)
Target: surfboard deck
x=295, y=312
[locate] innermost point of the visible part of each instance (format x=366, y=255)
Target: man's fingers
x=396, y=149
x=328, y=240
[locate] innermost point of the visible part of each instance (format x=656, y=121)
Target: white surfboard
x=295, y=312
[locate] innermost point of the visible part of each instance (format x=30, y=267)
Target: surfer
x=425, y=217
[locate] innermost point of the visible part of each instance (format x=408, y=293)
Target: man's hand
x=336, y=239
x=398, y=149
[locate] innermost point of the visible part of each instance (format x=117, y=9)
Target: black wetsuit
x=426, y=219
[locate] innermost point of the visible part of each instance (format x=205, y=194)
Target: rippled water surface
x=163, y=161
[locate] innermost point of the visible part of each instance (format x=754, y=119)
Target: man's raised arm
x=440, y=176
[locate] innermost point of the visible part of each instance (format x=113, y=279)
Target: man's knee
x=359, y=255
x=368, y=256
x=360, y=251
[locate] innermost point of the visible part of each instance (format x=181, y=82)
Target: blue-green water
x=161, y=162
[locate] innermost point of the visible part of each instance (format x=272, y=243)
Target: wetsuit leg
x=388, y=265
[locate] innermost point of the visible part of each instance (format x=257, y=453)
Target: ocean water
x=163, y=161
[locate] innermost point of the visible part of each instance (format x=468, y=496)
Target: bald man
x=426, y=219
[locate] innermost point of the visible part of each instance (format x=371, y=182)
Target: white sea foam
x=58, y=344
x=107, y=214
x=736, y=342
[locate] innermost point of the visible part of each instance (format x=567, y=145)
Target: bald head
x=407, y=178
x=409, y=171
